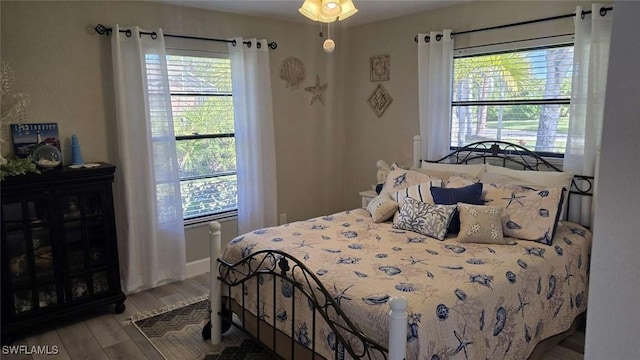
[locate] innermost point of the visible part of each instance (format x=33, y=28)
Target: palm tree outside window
x=202, y=105
x=520, y=96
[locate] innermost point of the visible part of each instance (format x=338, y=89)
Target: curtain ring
x=249, y=44
x=438, y=37
x=415, y=38
x=154, y=35
x=603, y=11
x=427, y=38
x=128, y=33
x=582, y=14
x=451, y=35
x=259, y=45
x=233, y=42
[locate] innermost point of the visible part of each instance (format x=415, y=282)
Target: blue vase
x=76, y=156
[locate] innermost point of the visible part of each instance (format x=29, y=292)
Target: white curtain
x=588, y=86
x=148, y=205
x=254, y=134
x=435, y=72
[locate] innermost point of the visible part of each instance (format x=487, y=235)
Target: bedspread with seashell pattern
x=466, y=301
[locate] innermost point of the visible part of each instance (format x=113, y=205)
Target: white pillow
x=420, y=192
x=536, y=179
x=399, y=179
x=465, y=170
x=381, y=208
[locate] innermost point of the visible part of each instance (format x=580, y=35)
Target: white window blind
x=520, y=96
x=202, y=106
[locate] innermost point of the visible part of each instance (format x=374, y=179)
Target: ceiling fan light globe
x=348, y=9
x=331, y=8
x=310, y=9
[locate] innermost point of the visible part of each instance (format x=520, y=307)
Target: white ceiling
x=368, y=10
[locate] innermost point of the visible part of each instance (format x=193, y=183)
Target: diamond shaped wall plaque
x=380, y=100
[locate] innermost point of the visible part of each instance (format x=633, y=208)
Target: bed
x=343, y=286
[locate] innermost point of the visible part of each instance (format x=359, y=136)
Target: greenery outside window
x=202, y=105
x=516, y=92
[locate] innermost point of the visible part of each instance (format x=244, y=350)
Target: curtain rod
x=603, y=12
x=101, y=29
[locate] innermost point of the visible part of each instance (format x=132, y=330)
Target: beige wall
x=390, y=137
x=325, y=154
x=66, y=69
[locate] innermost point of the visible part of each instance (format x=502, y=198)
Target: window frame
x=508, y=47
x=221, y=215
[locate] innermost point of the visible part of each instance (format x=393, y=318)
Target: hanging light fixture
x=348, y=9
x=328, y=45
x=310, y=9
x=331, y=8
x=328, y=11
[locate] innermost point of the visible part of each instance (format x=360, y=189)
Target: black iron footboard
x=280, y=265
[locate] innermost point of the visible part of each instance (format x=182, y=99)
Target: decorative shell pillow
x=382, y=207
x=532, y=179
x=481, y=224
x=426, y=219
x=399, y=179
x=528, y=214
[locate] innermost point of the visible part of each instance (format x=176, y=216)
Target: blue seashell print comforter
x=466, y=301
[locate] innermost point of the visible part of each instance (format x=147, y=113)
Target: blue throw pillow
x=471, y=194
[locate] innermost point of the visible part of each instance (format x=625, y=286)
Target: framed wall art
x=379, y=100
x=380, y=67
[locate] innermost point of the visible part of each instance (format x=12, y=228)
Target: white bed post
x=214, y=294
x=398, y=328
x=417, y=150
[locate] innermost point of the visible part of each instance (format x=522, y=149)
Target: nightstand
x=367, y=196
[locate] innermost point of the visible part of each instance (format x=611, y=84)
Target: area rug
x=176, y=332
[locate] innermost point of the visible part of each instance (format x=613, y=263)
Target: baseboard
x=198, y=267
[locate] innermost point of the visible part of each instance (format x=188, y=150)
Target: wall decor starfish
x=317, y=91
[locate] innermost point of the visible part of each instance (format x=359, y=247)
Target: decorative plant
x=17, y=166
x=12, y=109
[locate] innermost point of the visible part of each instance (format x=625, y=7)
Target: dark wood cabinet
x=59, y=250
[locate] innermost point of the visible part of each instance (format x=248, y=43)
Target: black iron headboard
x=505, y=154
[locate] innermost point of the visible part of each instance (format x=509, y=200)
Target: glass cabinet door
x=84, y=234
x=30, y=254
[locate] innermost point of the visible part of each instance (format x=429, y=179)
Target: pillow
x=481, y=224
x=529, y=214
x=536, y=179
x=381, y=208
x=399, y=179
x=420, y=192
x=426, y=219
x=471, y=194
x=458, y=182
x=447, y=170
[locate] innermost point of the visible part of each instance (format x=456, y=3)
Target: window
x=202, y=105
x=520, y=96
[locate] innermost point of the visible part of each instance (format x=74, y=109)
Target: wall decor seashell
x=292, y=72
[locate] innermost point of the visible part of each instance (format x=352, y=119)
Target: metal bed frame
x=280, y=265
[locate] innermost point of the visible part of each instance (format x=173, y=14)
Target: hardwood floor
x=109, y=336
